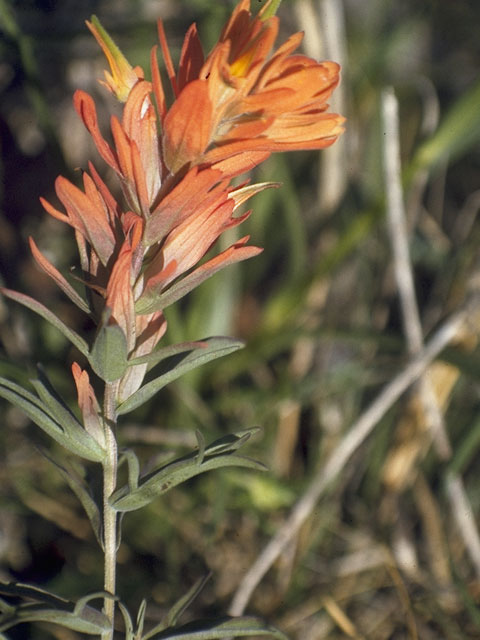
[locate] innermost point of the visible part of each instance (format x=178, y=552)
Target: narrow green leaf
x=23, y=590
x=178, y=608
x=201, y=447
x=82, y=603
x=47, y=394
x=129, y=635
x=79, y=488
x=81, y=440
x=141, y=618
x=216, y=455
x=458, y=131
x=166, y=352
x=6, y=607
x=82, y=445
x=49, y=608
x=220, y=628
x=91, y=622
x=173, y=475
x=133, y=468
x=109, y=354
x=177, y=366
x=49, y=316
x=231, y=442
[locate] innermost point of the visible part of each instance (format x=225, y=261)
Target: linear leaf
x=142, y=609
x=79, y=488
x=178, y=608
x=23, y=590
x=49, y=316
x=219, y=454
x=49, y=608
x=81, y=439
x=175, y=474
x=129, y=635
x=178, y=365
x=41, y=415
x=220, y=628
x=459, y=130
x=166, y=352
x=231, y=442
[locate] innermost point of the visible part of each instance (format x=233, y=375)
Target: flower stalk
x=109, y=514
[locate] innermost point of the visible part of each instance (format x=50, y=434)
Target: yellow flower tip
x=123, y=76
x=240, y=67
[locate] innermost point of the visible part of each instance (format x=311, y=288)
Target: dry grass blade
x=357, y=434
x=397, y=226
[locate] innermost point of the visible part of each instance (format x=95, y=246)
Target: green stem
x=109, y=514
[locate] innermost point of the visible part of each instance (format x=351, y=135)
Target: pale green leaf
x=80, y=489
x=166, y=352
x=458, y=131
x=47, y=607
x=177, y=366
x=173, y=475
x=109, y=353
x=220, y=628
x=73, y=437
x=23, y=590
x=74, y=430
x=231, y=441
x=133, y=466
x=49, y=316
x=217, y=455
x=201, y=447
x=141, y=618
x=129, y=635
x=178, y=608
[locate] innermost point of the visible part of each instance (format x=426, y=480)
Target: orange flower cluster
x=175, y=163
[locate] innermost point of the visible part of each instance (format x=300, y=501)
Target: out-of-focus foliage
x=382, y=556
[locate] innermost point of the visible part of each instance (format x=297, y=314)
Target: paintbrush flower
x=245, y=100
x=174, y=164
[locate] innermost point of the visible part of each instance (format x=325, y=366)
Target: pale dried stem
x=357, y=434
x=397, y=226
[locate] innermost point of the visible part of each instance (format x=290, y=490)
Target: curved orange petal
x=85, y=107
x=191, y=58
x=139, y=122
x=87, y=216
x=196, y=189
x=187, y=126
x=119, y=298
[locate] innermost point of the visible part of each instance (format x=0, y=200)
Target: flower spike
x=174, y=162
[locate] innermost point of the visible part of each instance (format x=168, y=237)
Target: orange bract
x=246, y=100
x=174, y=164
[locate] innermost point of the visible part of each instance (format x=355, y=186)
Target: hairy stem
x=109, y=514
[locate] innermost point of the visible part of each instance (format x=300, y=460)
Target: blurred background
x=384, y=554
